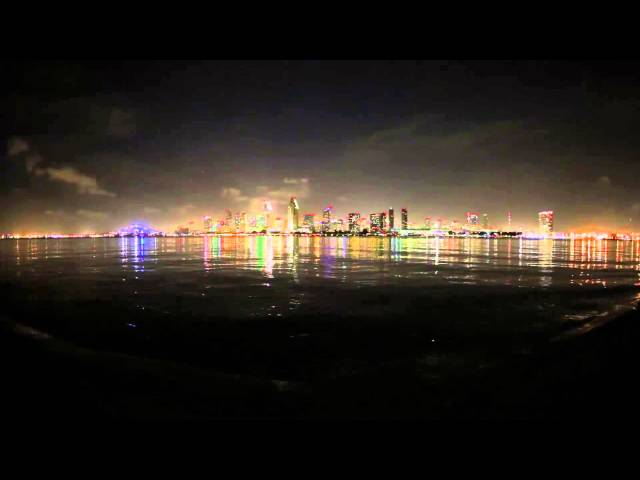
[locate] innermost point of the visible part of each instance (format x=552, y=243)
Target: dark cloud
x=121, y=123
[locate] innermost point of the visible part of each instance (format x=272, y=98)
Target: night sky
x=95, y=146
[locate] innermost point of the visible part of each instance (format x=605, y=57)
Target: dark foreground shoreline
x=591, y=375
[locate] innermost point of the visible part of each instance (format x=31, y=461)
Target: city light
x=355, y=224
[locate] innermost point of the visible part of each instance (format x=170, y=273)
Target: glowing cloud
x=233, y=194
x=84, y=183
x=295, y=181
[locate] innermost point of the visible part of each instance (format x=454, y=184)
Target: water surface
x=303, y=307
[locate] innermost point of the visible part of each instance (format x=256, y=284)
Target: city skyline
x=356, y=222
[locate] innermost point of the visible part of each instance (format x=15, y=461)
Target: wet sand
x=591, y=375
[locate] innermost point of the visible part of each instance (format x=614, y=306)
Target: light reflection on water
x=541, y=261
x=267, y=275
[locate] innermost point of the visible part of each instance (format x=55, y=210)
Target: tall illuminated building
x=509, y=221
x=243, y=222
x=278, y=225
x=545, y=222
x=383, y=220
x=228, y=217
x=293, y=214
x=309, y=221
x=375, y=222
x=354, y=222
x=485, y=221
x=237, y=219
x=208, y=224
x=326, y=218
x=267, y=212
x=404, y=218
x=472, y=220
x=427, y=223
x=391, y=219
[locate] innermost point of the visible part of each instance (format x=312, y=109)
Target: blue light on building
x=138, y=230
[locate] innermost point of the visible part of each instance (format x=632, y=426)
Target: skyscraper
x=545, y=222
x=354, y=219
x=509, y=221
x=375, y=222
x=326, y=218
x=391, y=224
x=293, y=214
x=405, y=219
x=208, y=224
x=266, y=213
x=472, y=220
x=278, y=225
x=485, y=221
x=383, y=220
x=427, y=223
x=244, y=226
x=309, y=221
x=228, y=217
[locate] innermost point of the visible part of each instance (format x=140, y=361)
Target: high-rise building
x=509, y=221
x=267, y=212
x=309, y=221
x=391, y=219
x=228, y=217
x=278, y=225
x=326, y=218
x=427, y=223
x=545, y=222
x=404, y=218
x=293, y=215
x=375, y=222
x=472, y=220
x=237, y=219
x=354, y=222
x=383, y=220
x=244, y=226
x=208, y=224
x=485, y=221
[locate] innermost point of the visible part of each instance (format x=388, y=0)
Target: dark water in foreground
x=305, y=309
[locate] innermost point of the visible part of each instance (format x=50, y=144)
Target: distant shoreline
x=490, y=236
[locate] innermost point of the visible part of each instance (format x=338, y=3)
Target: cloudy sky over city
x=95, y=146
